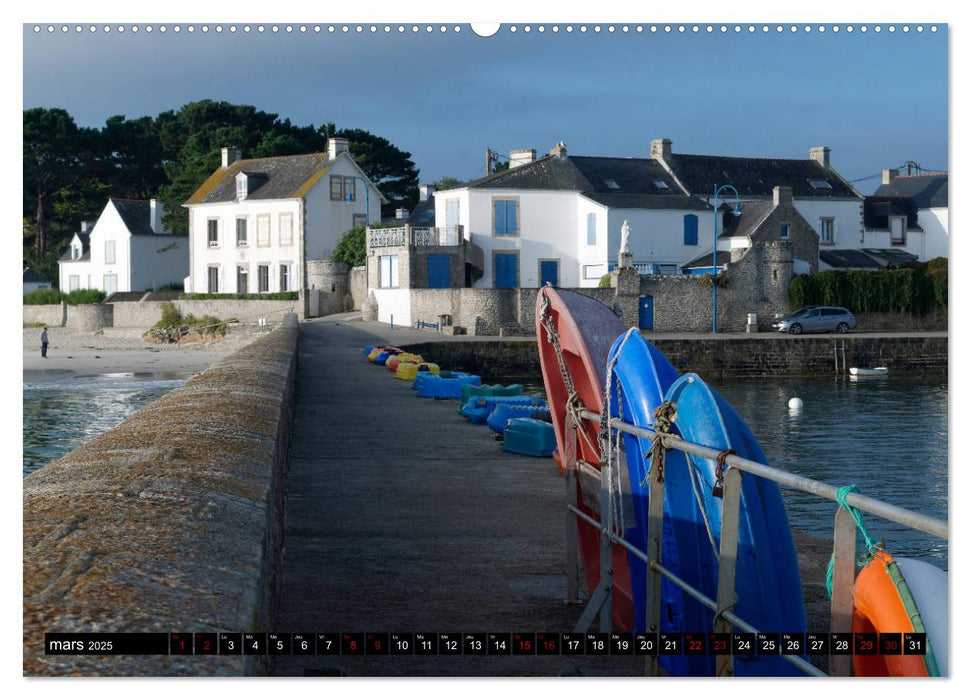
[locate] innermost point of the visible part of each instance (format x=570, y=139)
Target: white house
x=126, y=250
x=559, y=218
x=909, y=213
x=255, y=223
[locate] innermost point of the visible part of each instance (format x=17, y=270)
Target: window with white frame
x=74, y=283
x=286, y=277
x=826, y=230
x=505, y=217
x=262, y=278
x=591, y=229
x=898, y=230
x=109, y=252
x=388, y=267
x=110, y=284
x=76, y=252
x=212, y=232
x=242, y=186
x=213, y=279
x=286, y=228
x=263, y=230
x=242, y=279
x=241, y=239
x=594, y=272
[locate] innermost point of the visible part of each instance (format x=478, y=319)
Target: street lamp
x=714, y=253
x=367, y=199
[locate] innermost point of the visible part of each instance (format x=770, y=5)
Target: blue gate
x=507, y=270
x=439, y=272
x=645, y=313
x=549, y=271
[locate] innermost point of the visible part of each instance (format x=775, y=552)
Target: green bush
x=173, y=322
x=85, y=296
x=914, y=288
x=351, y=248
x=605, y=282
x=56, y=296
x=42, y=296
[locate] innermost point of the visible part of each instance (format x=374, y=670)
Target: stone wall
x=169, y=522
x=762, y=355
x=90, y=317
x=331, y=280
x=145, y=314
x=48, y=314
x=358, y=287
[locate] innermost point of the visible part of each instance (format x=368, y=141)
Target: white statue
x=625, y=238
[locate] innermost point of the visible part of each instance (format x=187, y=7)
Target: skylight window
x=661, y=184
x=821, y=184
x=612, y=184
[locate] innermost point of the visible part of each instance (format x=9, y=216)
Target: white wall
x=158, y=260
x=592, y=256
x=935, y=223
x=326, y=219
x=847, y=216
x=394, y=302
x=657, y=235
x=227, y=255
x=109, y=227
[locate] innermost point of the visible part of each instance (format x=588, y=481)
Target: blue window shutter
x=511, y=218
x=690, y=229
x=500, y=217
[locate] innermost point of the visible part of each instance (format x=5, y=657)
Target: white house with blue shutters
x=558, y=219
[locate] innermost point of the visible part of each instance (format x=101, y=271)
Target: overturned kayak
x=574, y=335
x=468, y=391
x=409, y=370
x=446, y=385
x=503, y=413
x=478, y=408
x=529, y=436
x=393, y=362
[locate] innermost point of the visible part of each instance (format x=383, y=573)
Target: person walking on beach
x=43, y=342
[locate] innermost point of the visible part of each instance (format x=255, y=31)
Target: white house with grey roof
x=255, y=223
x=126, y=250
x=909, y=213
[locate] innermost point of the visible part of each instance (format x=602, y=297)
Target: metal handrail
x=844, y=551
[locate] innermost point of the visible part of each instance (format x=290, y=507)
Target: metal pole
x=714, y=265
x=572, y=558
x=655, y=534
x=606, y=548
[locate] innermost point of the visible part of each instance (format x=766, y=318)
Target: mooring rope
x=609, y=439
x=871, y=546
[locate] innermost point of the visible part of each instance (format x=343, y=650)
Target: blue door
x=645, y=314
x=549, y=271
x=439, y=272
x=507, y=270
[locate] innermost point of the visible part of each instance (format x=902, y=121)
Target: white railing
x=414, y=236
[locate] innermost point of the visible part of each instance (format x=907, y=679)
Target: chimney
x=820, y=154
x=889, y=175
x=523, y=156
x=336, y=146
x=156, y=210
x=559, y=150
x=86, y=226
x=230, y=155
x=401, y=213
x=425, y=192
x=781, y=195
x=661, y=148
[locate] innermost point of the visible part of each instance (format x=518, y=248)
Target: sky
x=876, y=99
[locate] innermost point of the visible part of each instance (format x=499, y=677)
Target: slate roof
x=878, y=210
x=281, y=177
x=85, y=239
x=866, y=258
x=136, y=214
x=755, y=177
x=424, y=213
x=33, y=277
x=746, y=223
x=723, y=258
x=625, y=183
x=927, y=191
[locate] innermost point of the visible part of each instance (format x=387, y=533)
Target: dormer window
x=76, y=252
x=242, y=186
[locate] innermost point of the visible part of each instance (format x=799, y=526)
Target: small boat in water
x=868, y=371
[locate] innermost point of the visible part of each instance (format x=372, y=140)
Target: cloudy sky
x=877, y=99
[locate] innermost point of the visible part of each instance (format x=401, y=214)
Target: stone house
x=256, y=224
x=126, y=250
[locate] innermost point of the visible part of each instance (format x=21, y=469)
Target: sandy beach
x=85, y=353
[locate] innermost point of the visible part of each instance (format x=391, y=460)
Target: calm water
x=62, y=411
x=887, y=435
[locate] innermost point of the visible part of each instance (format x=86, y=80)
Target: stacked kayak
x=529, y=436
x=379, y=356
x=502, y=413
x=409, y=370
x=469, y=391
x=445, y=385
x=478, y=408
x=393, y=362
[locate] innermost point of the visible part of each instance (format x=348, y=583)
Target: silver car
x=817, y=319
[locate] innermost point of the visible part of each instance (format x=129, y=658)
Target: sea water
x=886, y=435
x=62, y=410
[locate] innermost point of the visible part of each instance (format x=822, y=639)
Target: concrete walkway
x=403, y=517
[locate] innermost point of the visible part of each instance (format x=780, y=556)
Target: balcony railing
x=414, y=236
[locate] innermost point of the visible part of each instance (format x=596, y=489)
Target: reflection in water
x=62, y=411
x=887, y=435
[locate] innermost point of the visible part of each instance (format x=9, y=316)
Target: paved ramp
x=403, y=517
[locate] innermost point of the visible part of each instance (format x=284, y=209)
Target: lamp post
x=714, y=253
x=367, y=199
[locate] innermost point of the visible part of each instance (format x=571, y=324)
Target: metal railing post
x=572, y=555
x=655, y=535
x=727, y=563
x=844, y=571
x=606, y=549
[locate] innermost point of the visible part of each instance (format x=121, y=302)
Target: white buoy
x=795, y=404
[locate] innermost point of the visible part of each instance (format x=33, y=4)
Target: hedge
x=56, y=296
x=913, y=288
